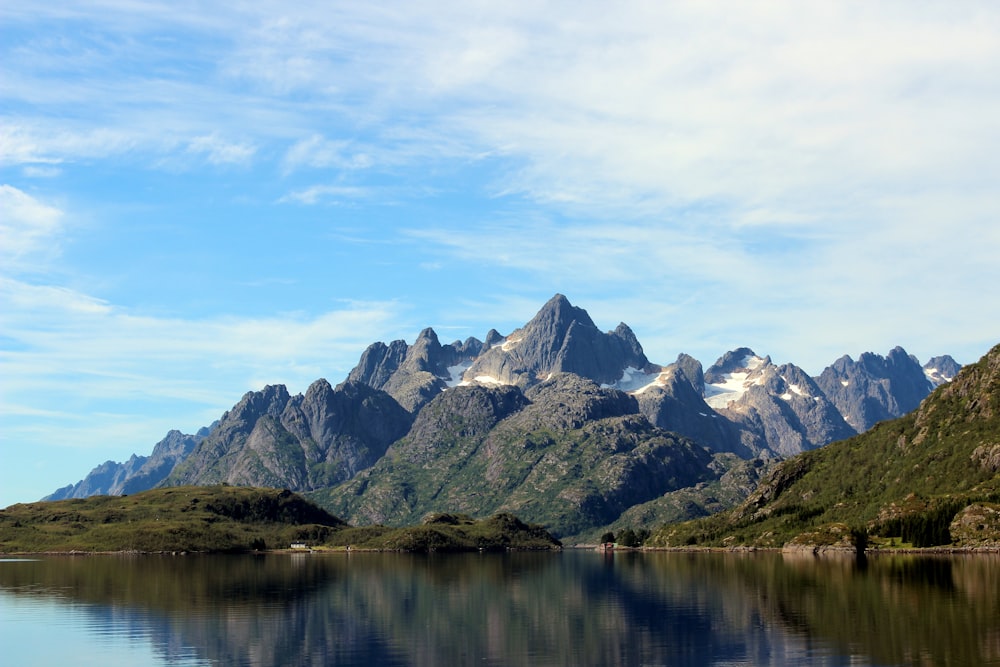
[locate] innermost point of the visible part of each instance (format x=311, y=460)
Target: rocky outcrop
x=875, y=388
x=787, y=412
x=413, y=374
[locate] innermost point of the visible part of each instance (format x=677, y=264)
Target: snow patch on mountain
x=635, y=381
x=719, y=395
x=455, y=374
x=936, y=377
x=507, y=345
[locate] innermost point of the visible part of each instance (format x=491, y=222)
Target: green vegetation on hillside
x=187, y=518
x=572, y=459
x=931, y=478
x=450, y=532
x=232, y=519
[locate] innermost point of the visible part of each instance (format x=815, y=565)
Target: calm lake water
x=570, y=608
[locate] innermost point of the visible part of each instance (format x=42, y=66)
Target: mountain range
x=928, y=479
x=559, y=422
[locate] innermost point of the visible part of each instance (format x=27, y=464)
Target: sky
x=197, y=199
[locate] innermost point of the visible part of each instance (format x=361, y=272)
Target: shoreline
x=818, y=551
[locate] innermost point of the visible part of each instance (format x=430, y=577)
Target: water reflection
x=515, y=609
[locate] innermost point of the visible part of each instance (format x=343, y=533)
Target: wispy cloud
x=219, y=151
x=27, y=228
x=790, y=109
x=53, y=333
x=317, y=152
x=326, y=194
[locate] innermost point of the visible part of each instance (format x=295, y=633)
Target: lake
x=569, y=608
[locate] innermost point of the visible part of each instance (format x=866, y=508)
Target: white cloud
x=35, y=171
x=57, y=332
x=219, y=151
x=769, y=106
x=28, y=227
x=325, y=193
x=317, y=152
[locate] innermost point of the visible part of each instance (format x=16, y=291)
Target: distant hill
x=931, y=478
x=216, y=518
x=234, y=519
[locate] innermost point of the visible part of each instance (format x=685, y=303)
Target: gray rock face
x=941, y=369
x=675, y=405
x=875, y=388
x=692, y=371
x=787, y=412
x=561, y=338
x=731, y=362
x=412, y=374
x=166, y=455
x=464, y=413
x=304, y=442
x=344, y=430
x=568, y=401
x=105, y=479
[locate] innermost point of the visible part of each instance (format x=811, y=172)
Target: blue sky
x=198, y=200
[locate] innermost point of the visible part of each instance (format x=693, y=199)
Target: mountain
x=561, y=338
x=875, y=388
x=781, y=405
x=676, y=403
x=414, y=374
x=941, y=369
x=564, y=453
x=138, y=473
x=929, y=478
x=301, y=443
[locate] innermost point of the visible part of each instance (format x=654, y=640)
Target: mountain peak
x=560, y=338
x=732, y=374
x=875, y=388
x=941, y=369
x=560, y=313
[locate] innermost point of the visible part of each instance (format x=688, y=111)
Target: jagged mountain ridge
x=414, y=374
x=330, y=435
x=139, y=473
x=929, y=478
x=302, y=442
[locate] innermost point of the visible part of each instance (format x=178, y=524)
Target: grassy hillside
x=214, y=518
x=931, y=478
x=232, y=519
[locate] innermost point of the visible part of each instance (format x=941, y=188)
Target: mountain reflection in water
x=572, y=608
